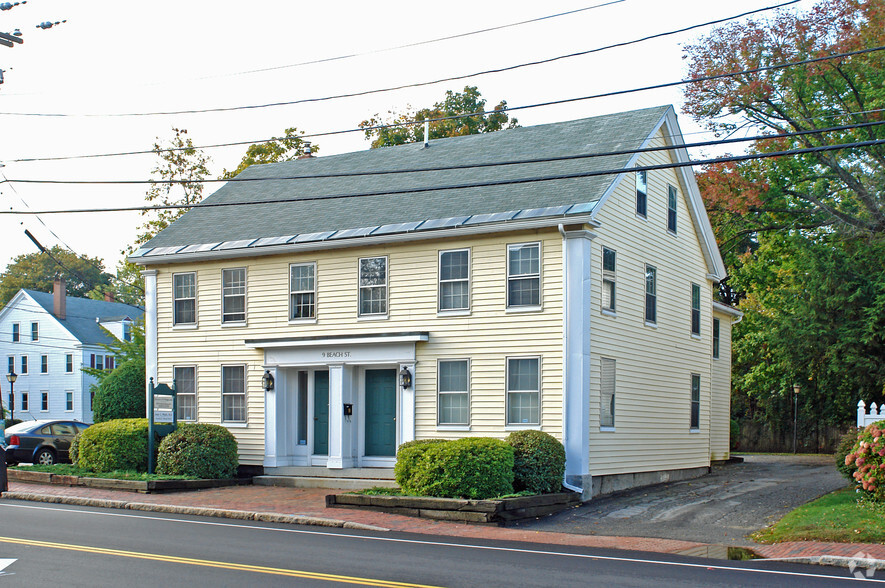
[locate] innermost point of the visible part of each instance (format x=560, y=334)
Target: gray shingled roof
x=204, y=228
x=81, y=314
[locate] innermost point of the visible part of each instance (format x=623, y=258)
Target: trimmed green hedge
x=407, y=456
x=539, y=462
x=120, y=444
x=121, y=395
x=198, y=450
x=474, y=467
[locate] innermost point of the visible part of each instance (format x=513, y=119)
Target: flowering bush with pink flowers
x=868, y=456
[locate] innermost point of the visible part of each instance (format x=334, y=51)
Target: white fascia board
x=726, y=309
x=329, y=341
x=461, y=231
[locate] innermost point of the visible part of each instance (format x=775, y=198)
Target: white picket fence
x=875, y=414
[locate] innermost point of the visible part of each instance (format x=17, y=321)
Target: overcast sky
x=113, y=57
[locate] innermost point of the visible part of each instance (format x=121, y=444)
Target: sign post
x=162, y=415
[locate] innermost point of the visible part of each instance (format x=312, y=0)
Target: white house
x=557, y=277
x=46, y=340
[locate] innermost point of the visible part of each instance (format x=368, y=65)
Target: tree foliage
x=285, y=148
x=36, y=271
x=454, y=104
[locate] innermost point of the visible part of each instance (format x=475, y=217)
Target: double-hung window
x=607, y=393
x=233, y=393
x=454, y=402
x=454, y=280
x=233, y=295
x=715, y=338
x=69, y=401
x=184, y=296
x=16, y=332
x=24, y=400
x=24, y=365
x=127, y=331
x=609, y=263
x=373, y=286
x=651, y=296
x=69, y=363
x=35, y=331
x=44, y=364
x=44, y=401
x=695, y=309
x=523, y=391
x=11, y=368
x=186, y=392
x=642, y=193
x=524, y=275
x=671, y=208
x=695, y=402
x=302, y=291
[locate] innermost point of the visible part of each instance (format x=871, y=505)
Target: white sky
x=122, y=57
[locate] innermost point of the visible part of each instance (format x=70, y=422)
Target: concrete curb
x=268, y=517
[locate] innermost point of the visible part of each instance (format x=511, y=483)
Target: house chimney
x=308, y=154
x=109, y=297
x=59, y=298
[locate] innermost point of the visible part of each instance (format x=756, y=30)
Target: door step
x=323, y=472
x=322, y=482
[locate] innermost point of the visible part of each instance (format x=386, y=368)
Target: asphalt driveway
x=722, y=507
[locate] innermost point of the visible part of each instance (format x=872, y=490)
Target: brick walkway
x=310, y=502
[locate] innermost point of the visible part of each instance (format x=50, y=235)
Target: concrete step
x=323, y=482
x=322, y=472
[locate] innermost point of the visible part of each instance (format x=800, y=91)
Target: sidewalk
x=307, y=506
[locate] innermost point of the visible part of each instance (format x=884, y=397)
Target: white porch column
x=407, y=407
x=150, y=332
x=576, y=361
x=336, y=417
x=272, y=414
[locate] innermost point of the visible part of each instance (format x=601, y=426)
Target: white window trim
x=373, y=315
x=33, y=330
x=528, y=307
x=196, y=394
x=636, y=194
x=245, y=422
x=453, y=426
x=18, y=327
x=46, y=392
x=44, y=373
x=645, y=295
x=67, y=355
x=716, y=338
x=694, y=334
x=71, y=392
x=613, y=274
x=309, y=319
x=516, y=426
x=454, y=311
x=243, y=321
x=24, y=365
x=674, y=232
x=692, y=429
x=196, y=322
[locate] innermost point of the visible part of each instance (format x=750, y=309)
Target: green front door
x=321, y=413
x=381, y=412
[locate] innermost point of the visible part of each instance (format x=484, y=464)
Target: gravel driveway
x=722, y=507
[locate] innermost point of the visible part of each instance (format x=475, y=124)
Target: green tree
x=286, y=148
x=36, y=271
x=454, y=104
x=120, y=392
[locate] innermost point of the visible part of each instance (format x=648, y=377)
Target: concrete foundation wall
x=618, y=482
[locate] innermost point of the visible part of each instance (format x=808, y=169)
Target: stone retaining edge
x=268, y=517
x=841, y=561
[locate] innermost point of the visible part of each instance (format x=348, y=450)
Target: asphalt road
x=58, y=545
x=721, y=508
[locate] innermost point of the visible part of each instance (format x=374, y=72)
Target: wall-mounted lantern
x=405, y=378
x=267, y=381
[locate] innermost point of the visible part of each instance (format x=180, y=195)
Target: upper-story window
x=373, y=286
x=233, y=295
x=642, y=193
x=651, y=296
x=127, y=331
x=302, y=291
x=454, y=280
x=11, y=364
x=671, y=208
x=524, y=274
x=715, y=338
x=24, y=365
x=44, y=364
x=184, y=296
x=69, y=363
x=609, y=282
x=35, y=331
x=16, y=333
x=695, y=309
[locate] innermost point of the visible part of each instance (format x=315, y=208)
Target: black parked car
x=41, y=442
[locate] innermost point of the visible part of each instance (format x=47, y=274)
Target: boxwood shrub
x=198, y=450
x=120, y=444
x=121, y=394
x=538, y=462
x=474, y=467
x=407, y=455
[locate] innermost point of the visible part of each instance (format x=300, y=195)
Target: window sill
x=185, y=327
x=643, y=217
x=235, y=425
x=372, y=317
x=453, y=312
x=303, y=321
x=608, y=312
x=519, y=309
x=233, y=324
x=696, y=336
x=672, y=233
x=453, y=427
x=693, y=431
x=652, y=325
x=606, y=429
x=526, y=427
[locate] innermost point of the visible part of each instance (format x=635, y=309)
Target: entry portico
x=337, y=401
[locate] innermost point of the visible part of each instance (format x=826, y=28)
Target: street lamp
x=796, y=389
x=12, y=377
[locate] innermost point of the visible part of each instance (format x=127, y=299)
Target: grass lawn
x=66, y=469
x=836, y=517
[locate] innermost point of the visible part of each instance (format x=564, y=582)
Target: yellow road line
x=212, y=564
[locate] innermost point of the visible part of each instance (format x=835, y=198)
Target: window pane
x=608, y=294
x=641, y=193
x=453, y=295
x=525, y=260
x=453, y=376
x=671, y=210
x=302, y=277
x=524, y=292
x=608, y=260
x=185, y=286
x=303, y=305
x=453, y=265
x=522, y=374
x=453, y=409
x=373, y=271
x=373, y=300
x=523, y=408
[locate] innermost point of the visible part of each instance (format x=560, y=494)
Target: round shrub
x=120, y=444
x=868, y=456
x=200, y=451
x=538, y=462
x=474, y=467
x=845, y=447
x=121, y=395
x=407, y=455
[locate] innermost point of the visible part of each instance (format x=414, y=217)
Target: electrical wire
x=412, y=85
x=535, y=179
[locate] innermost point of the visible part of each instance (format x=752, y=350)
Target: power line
x=535, y=179
x=471, y=165
x=413, y=85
